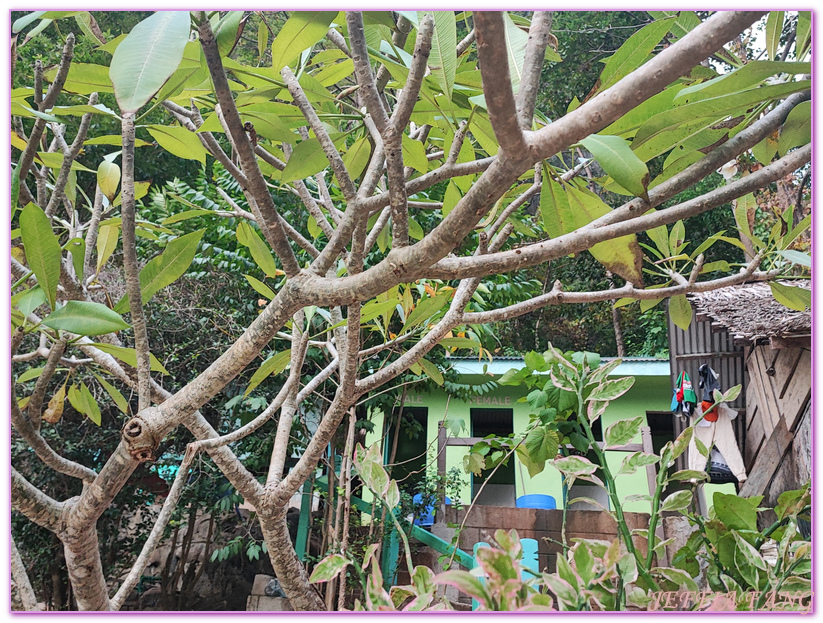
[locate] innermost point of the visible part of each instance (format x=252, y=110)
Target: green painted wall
x=649, y=393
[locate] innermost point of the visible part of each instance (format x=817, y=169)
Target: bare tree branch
x=267, y=218
x=169, y=504
x=494, y=68
x=585, y=237
x=323, y=137
x=69, y=156
x=363, y=72
x=21, y=580
x=539, y=33
x=131, y=267
x=34, y=504
x=51, y=98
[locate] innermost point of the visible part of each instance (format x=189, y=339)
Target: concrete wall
x=649, y=393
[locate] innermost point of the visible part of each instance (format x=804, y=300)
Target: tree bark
x=287, y=566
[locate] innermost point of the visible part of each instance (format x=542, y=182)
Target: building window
x=497, y=489
x=410, y=456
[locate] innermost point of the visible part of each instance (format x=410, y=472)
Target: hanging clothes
x=720, y=434
x=684, y=398
x=709, y=381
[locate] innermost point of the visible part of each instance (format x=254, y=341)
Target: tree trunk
x=85, y=569
x=287, y=566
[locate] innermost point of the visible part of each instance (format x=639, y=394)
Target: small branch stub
x=140, y=439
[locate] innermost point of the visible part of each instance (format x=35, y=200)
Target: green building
x=501, y=412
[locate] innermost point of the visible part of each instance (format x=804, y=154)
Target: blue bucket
x=536, y=500
x=425, y=516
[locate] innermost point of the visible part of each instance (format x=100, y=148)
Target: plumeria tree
x=415, y=155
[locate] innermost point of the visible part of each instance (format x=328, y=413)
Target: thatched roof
x=750, y=312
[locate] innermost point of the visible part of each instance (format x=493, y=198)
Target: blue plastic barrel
x=536, y=500
x=425, y=516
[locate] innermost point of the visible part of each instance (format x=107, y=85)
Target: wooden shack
x=774, y=341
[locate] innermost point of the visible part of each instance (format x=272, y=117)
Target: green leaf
x=465, y=582
x=28, y=375
x=414, y=154
x=677, y=501
x=258, y=249
x=84, y=78
x=85, y=318
x=42, y=249
x=631, y=463
x=798, y=299
x=329, y=568
x=745, y=77
x=114, y=139
x=616, y=157
x=179, y=142
x=443, y=56
x=797, y=129
x=392, y=496
x=29, y=300
x=735, y=512
x=77, y=248
x=129, y=356
x=680, y=578
x=516, y=41
x=774, y=28
x=575, y=465
x=357, y=157
x=307, y=159
x=431, y=371
x=54, y=160
x=796, y=257
x=184, y=216
x=272, y=366
x=15, y=185
x=609, y=390
x=108, y=178
x=147, y=57
x=542, y=444
x=21, y=22
x=427, y=308
x=622, y=432
x=166, y=268
x=680, y=311
x=301, y=31
x=634, y=52
x=114, y=394
x=622, y=255
x=261, y=288
x=106, y=243
x=226, y=31
x=262, y=38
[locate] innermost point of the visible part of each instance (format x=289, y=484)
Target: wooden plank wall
x=778, y=394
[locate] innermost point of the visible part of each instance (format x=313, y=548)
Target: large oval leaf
x=84, y=318
x=680, y=311
x=147, y=57
x=273, y=365
x=616, y=157
x=302, y=30
x=165, y=268
x=179, y=141
x=443, y=55
x=42, y=249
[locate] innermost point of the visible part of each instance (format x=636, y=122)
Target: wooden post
x=440, y=515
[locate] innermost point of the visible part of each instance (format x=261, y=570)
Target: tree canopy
x=356, y=197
